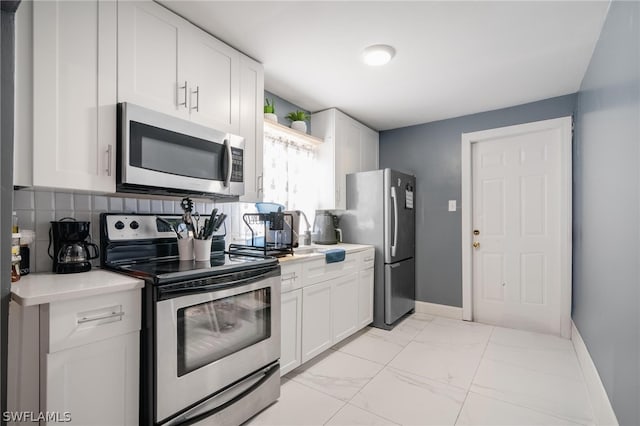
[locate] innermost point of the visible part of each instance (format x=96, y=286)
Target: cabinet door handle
x=260, y=184
x=185, y=94
x=197, y=92
x=337, y=194
x=109, y=152
x=100, y=317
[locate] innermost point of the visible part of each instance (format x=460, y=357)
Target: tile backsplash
x=36, y=208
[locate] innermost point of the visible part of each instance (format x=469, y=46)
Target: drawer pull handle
x=288, y=277
x=101, y=317
x=369, y=259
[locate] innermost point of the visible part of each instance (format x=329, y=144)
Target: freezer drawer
x=399, y=289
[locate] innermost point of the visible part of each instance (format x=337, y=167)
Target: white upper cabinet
x=252, y=127
x=167, y=64
x=74, y=95
x=369, y=149
x=212, y=73
x=349, y=147
x=150, y=58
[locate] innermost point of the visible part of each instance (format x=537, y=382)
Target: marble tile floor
x=436, y=371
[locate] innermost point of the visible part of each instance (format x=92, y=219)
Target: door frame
x=565, y=125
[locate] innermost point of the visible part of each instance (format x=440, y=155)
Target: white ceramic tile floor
x=436, y=371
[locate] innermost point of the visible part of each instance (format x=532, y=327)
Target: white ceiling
x=452, y=58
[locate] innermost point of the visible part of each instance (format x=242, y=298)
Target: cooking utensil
x=170, y=225
x=208, y=231
x=196, y=228
x=187, y=208
x=219, y=222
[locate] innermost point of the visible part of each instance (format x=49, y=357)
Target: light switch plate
x=452, y=205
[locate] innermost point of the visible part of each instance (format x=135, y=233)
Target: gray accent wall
x=284, y=107
x=431, y=152
x=606, y=270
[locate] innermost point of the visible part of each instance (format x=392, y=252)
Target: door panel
x=213, y=82
x=399, y=289
x=516, y=210
x=397, y=203
x=149, y=58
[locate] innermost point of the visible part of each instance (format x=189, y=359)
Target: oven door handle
x=168, y=292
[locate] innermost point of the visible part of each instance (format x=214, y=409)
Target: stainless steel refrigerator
x=380, y=211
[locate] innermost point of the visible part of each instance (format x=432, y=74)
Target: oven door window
x=212, y=330
x=165, y=151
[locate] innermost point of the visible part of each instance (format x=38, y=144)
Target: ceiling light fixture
x=378, y=54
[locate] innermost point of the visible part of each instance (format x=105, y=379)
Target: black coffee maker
x=71, y=252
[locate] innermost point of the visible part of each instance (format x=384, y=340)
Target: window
x=291, y=174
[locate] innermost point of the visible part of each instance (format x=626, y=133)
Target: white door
x=345, y=306
x=74, y=92
x=252, y=127
x=211, y=69
x=96, y=383
x=519, y=240
x=365, y=297
x=369, y=141
x=150, y=58
x=316, y=320
x=290, y=331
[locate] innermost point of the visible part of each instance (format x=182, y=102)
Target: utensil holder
x=202, y=249
x=185, y=248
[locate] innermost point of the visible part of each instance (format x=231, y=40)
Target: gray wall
x=284, y=107
x=432, y=152
x=606, y=276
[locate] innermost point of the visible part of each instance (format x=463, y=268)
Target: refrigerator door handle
x=395, y=221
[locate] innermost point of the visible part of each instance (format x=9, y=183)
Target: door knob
x=476, y=244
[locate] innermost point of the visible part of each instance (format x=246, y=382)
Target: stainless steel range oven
x=211, y=330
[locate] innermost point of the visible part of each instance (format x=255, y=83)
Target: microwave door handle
x=227, y=146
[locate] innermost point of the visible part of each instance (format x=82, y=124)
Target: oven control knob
x=119, y=225
x=134, y=225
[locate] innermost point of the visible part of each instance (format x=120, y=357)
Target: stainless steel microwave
x=161, y=154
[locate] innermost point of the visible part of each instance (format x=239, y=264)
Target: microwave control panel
x=237, y=165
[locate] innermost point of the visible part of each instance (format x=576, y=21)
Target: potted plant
x=298, y=120
x=270, y=110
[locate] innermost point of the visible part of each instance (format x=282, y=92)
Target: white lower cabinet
x=344, y=306
x=89, y=357
x=365, y=297
x=322, y=304
x=95, y=383
x=317, y=330
x=291, y=332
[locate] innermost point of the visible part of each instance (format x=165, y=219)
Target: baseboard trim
x=602, y=410
x=446, y=311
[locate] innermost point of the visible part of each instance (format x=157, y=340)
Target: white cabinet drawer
x=368, y=259
x=78, y=322
x=318, y=270
x=291, y=276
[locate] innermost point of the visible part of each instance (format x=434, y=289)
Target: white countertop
x=40, y=288
x=349, y=248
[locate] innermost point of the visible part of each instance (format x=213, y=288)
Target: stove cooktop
x=168, y=270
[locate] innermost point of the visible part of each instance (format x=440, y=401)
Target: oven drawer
x=77, y=322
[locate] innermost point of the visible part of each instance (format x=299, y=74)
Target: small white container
x=202, y=250
x=185, y=248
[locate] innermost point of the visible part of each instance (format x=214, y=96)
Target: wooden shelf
x=277, y=129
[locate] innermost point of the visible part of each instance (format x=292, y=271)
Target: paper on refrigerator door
x=408, y=199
